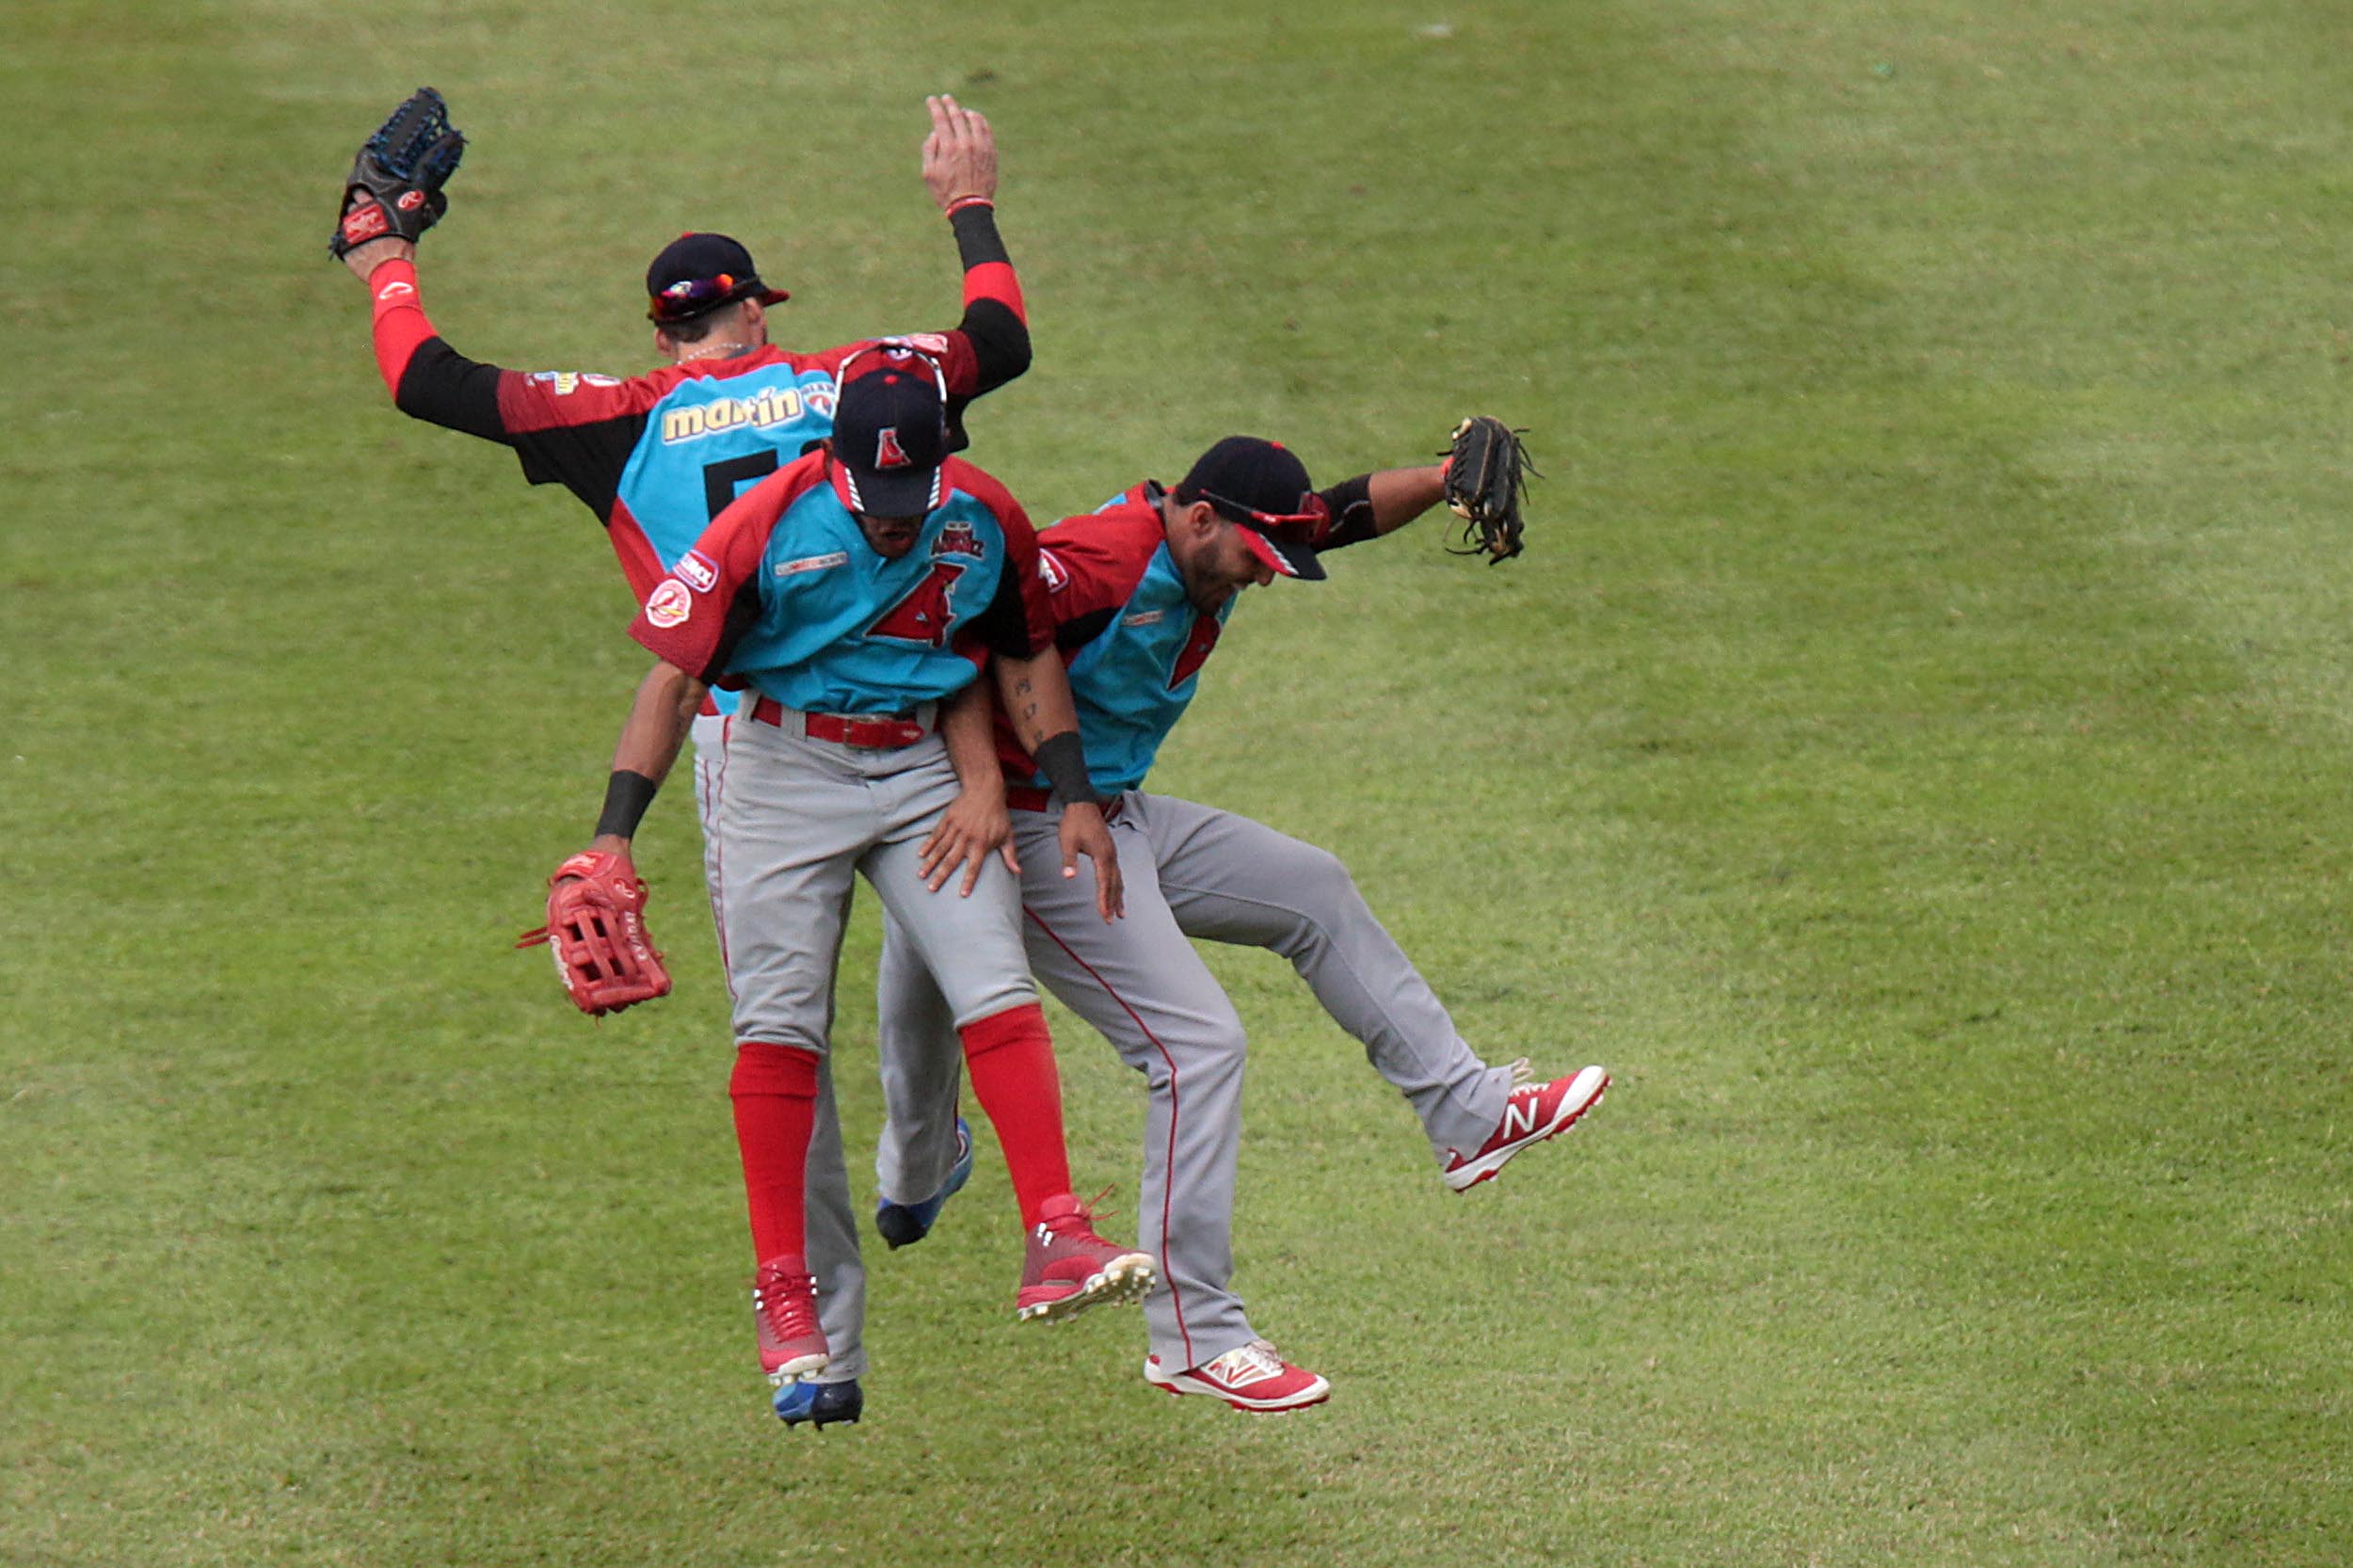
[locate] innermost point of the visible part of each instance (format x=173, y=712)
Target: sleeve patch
x=669, y=604
x=697, y=570
x=563, y=383
x=1049, y=567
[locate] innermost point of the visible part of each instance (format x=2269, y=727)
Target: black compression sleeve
x=626, y=797
x=443, y=387
x=1351, y=501
x=977, y=240
x=1064, y=762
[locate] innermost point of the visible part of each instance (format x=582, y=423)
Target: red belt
x=1027, y=797
x=842, y=729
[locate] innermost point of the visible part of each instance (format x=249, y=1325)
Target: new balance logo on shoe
x=1530, y=1116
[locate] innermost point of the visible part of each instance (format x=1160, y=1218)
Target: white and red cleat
x=1534, y=1113
x=1249, y=1377
x=784, y=1303
x=1070, y=1269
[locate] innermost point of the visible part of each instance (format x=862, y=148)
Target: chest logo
x=669, y=604
x=957, y=538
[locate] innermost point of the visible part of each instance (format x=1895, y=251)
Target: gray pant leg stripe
x=1176, y=1295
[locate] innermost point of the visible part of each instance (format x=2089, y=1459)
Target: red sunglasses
x=1313, y=512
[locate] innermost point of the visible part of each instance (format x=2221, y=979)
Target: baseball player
x=1140, y=592
x=657, y=457
x=849, y=596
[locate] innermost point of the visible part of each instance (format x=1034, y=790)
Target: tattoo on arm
x=1025, y=696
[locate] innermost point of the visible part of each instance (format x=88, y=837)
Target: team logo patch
x=700, y=574
x=1049, y=566
x=563, y=383
x=957, y=538
x=812, y=563
x=1143, y=618
x=669, y=604
x=888, y=451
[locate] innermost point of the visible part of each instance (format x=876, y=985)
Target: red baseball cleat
x=1070, y=1269
x=1249, y=1377
x=784, y=1303
x=1534, y=1113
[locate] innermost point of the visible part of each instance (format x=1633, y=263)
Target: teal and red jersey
x=1133, y=642
x=783, y=595
x=657, y=457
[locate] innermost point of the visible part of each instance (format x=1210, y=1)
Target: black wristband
x=1064, y=762
x=626, y=797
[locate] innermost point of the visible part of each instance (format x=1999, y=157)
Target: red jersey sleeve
x=1020, y=621
x=1092, y=563
x=695, y=616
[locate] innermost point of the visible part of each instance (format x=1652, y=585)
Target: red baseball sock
x=775, y=1091
x=1011, y=1060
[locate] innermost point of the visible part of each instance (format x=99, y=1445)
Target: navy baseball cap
x=1264, y=487
x=695, y=274
x=891, y=431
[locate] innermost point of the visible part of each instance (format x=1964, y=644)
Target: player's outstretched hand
x=1083, y=832
x=960, y=155
x=969, y=831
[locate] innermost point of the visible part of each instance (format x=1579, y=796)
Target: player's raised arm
x=960, y=171
x=1480, y=480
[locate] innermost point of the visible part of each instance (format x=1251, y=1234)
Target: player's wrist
x=627, y=794
x=965, y=202
x=1062, y=759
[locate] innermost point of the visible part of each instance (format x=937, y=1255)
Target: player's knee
x=1322, y=894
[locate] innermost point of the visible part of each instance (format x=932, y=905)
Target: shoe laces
x=1256, y=1356
x=1522, y=1074
x=788, y=1301
x=1079, y=1221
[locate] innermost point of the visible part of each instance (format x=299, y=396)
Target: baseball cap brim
x=1285, y=557
x=899, y=492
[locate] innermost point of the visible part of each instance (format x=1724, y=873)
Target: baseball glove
x=1486, y=468
x=394, y=188
x=597, y=931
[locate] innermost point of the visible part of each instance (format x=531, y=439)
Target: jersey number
x=922, y=615
x=720, y=479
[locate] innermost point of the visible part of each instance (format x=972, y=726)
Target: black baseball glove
x=1486, y=468
x=394, y=188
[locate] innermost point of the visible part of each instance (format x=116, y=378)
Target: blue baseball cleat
x=902, y=1225
x=820, y=1404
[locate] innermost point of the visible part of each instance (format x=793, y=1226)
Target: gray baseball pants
x=1190, y=872
x=786, y=822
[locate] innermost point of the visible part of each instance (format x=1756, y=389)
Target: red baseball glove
x=597, y=931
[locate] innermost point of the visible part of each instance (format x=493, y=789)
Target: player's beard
x=890, y=537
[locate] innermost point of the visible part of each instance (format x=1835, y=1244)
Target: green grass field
x=1913, y=755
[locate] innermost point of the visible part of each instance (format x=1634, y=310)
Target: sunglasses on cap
x=1314, y=511
x=692, y=296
